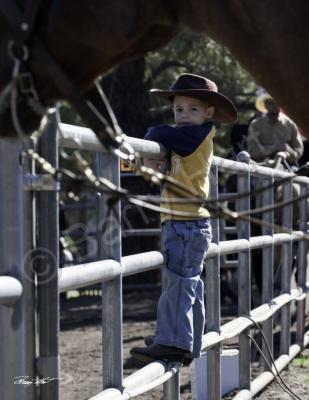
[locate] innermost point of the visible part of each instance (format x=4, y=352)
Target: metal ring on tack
x=24, y=51
x=24, y=26
x=125, y=151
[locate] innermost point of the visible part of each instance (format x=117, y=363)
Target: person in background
x=186, y=230
x=273, y=135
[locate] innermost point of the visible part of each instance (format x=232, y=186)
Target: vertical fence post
x=302, y=264
x=213, y=305
x=47, y=255
x=268, y=267
x=29, y=289
x=286, y=260
x=109, y=246
x=171, y=388
x=244, y=276
x=12, y=319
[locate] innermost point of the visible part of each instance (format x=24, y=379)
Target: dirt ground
x=80, y=350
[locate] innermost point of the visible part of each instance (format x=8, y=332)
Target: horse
x=87, y=39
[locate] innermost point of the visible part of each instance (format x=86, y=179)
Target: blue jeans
x=181, y=310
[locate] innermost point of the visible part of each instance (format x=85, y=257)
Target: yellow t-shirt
x=191, y=171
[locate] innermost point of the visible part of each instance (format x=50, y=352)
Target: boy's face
x=189, y=111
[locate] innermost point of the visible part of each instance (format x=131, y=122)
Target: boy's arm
x=152, y=134
x=183, y=140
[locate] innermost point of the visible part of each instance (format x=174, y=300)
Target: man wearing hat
x=273, y=134
x=186, y=231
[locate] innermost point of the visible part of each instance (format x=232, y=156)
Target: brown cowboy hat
x=203, y=89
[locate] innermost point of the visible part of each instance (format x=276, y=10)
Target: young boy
x=185, y=237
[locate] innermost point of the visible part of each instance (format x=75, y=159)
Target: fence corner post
x=47, y=253
x=12, y=318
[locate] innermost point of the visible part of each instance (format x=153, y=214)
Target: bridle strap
x=23, y=30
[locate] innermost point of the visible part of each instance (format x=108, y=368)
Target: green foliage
x=301, y=361
x=69, y=115
x=191, y=52
x=195, y=53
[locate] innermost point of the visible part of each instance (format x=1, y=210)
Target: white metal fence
x=30, y=279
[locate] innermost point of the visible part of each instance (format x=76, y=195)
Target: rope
x=183, y=194
x=277, y=376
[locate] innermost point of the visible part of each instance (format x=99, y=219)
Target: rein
x=24, y=40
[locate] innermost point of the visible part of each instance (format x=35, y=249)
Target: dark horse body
x=87, y=39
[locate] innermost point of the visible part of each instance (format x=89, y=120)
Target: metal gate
x=30, y=279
